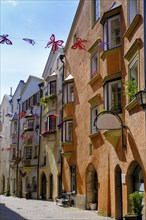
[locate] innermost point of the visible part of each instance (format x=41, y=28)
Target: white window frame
x=107, y=32
x=94, y=113
x=108, y=94
x=96, y=5
x=94, y=64
x=68, y=94
x=131, y=65
x=66, y=136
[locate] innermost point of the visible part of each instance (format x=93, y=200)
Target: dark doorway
x=51, y=186
x=59, y=186
x=118, y=193
x=43, y=183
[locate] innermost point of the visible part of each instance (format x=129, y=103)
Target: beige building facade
x=104, y=55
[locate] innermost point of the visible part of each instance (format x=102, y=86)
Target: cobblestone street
x=12, y=208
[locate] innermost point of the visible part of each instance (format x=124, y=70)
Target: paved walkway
x=12, y=208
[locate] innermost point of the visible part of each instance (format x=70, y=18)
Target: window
x=35, y=152
x=30, y=123
x=15, y=126
x=133, y=70
x=112, y=32
x=69, y=92
x=68, y=131
x=57, y=63
x=13, y=153
x=52, y=87
x=132, y=10
x=133, y=77
x=112, y=96
x=94, y=63
x=96, y=12
x=94, y=113
x=73, y=178
x=51, y=125
x=28, y=152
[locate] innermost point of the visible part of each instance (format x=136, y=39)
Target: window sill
x=131, y=105
x=92, y=135
x=68, y=103
x=67, y=143
x=132, y=26
x=94, y=79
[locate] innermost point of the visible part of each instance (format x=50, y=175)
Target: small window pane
x=94, y=65
x=132, y=10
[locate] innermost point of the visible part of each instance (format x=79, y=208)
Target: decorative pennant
x=4, y=39
x=79, y=44
x=55, y=44
x=30, y=41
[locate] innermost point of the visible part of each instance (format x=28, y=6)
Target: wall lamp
x=141, y=98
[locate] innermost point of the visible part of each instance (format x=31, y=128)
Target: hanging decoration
x=102, y=45
x=54, y=116
x=79, y=44
x=21, y=114
x=4, y=39
x=30, y=41
x=9, y=114
x=55, y=44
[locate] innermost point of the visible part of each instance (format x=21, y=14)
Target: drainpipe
x=61, y=170
x=144, y=11
x=39, y=145
x=18, y=101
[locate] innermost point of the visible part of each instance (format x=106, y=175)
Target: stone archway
x=43, y=186
x=135, y=179
x=118, y=193
x=91, y=186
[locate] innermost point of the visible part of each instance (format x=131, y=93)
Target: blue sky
x=37, y=20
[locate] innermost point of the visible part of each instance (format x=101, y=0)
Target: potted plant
x=135, y=200
x=131, y=88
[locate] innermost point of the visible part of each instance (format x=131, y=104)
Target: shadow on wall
x=7, y=214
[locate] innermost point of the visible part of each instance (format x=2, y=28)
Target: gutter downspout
x=18, y=101
x=144, y=11
x=61, y=170
x=39, y=145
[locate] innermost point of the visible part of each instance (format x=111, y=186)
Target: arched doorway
x=3, y=184
x=91, y=186
x=43, y=186
x=135, y=179
x=59, y=185
x=51, y=187
x=118, y=193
